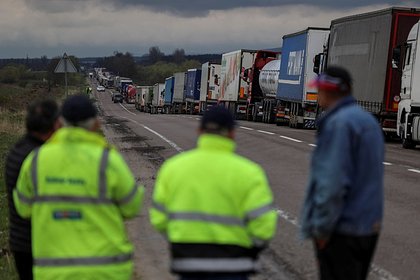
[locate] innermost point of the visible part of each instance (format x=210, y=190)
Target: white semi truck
x=408, y=120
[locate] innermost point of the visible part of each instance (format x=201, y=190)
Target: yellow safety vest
x=215, y=207
x=77, y=192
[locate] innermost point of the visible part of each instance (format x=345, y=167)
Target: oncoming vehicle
x=118, y=98
x=100, y=88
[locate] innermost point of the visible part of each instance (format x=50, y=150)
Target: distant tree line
x=155, y=66
x=18, y=72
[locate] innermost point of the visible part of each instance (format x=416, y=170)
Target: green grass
x=7, y=268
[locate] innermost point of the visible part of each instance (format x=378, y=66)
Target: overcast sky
x=99, y=27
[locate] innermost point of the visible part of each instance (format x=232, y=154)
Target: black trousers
x=346, y=257
x=23, y=262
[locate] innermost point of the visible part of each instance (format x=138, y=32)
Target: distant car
x=118, y=98
x=100, y=88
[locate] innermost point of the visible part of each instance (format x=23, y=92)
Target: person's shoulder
x=243, y=163
x=179, y=159
x=356, y=118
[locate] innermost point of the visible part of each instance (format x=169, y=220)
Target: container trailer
x=210, y=85
x=297, y=103
x=192, y=90
x=178, y=99
x=239, y=89
x=169, y=94
x=157, y=98
x=364, y=44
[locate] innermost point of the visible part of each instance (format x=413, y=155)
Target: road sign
x=65, y=65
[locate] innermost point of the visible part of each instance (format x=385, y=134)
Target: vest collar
x=77, y=135
x=216, y=142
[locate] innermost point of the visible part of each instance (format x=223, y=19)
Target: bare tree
x=155, y=54
x=179, y=56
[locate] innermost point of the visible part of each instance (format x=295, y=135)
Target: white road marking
x=171, y=143
x=382, y=273
x=266, y=132
x=288, y=217
x=312, y=145
x=414, y=170
x=126, y=109
x=197, y=119
x=291, y=139
x=246, y=128
x=387, y=163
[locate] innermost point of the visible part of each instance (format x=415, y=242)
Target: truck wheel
x=407, y=144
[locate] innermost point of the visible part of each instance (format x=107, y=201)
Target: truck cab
x=408, y=57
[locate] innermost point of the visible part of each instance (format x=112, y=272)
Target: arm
x=23, y=194
x=158, y=212
x=127, y=194
x=331, y=171
x=260, y=213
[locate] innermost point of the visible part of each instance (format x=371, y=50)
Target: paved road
x=284, y=153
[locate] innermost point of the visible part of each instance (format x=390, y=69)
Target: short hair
x=217, y=120
x=85, y=124
x=42, y=115
x=342, y=74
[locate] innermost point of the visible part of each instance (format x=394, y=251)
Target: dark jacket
x=20, y=229
x=345, y=190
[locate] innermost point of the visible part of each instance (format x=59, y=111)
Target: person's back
x=41, y=122
x=77, y=190
x=343, y=208
x=363, y=161
x=215, y=208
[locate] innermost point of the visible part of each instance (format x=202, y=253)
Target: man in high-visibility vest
x=78, y=190
x=215, y=207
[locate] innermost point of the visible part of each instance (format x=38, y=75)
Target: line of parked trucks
x=378, y=48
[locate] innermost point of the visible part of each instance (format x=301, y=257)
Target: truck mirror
x=317, y=63
x=396, y=57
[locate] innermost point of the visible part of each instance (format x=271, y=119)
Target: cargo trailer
x=192, y=90
x=297, y=103
x=239, y=89
x=364, y=44
x=178, y=99
x=157, y=98
x=169, y=93
x=210, y=85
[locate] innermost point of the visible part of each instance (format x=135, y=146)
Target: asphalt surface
x=284, y=153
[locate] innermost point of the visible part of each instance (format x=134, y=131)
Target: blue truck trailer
x=192, y=90
x=296, y=102
x=169, y=94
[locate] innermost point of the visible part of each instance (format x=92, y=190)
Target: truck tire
x=407, y=144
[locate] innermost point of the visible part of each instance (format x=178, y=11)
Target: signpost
x=65, y=66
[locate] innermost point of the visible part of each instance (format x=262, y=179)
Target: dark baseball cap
x=218, y=118
x=78, y=108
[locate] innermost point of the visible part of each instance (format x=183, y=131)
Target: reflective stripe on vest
x=82, y=261
x=220, y=219
x=34, y=171
x=213, y=265
x=196, y=216
x=129, y=196
x=254, y=214
x=102, y=174
x=102, y=189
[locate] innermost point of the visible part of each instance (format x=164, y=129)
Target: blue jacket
x=345, y=190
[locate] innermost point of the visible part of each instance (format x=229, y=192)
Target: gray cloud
x=98, y=27
x=188, y=8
